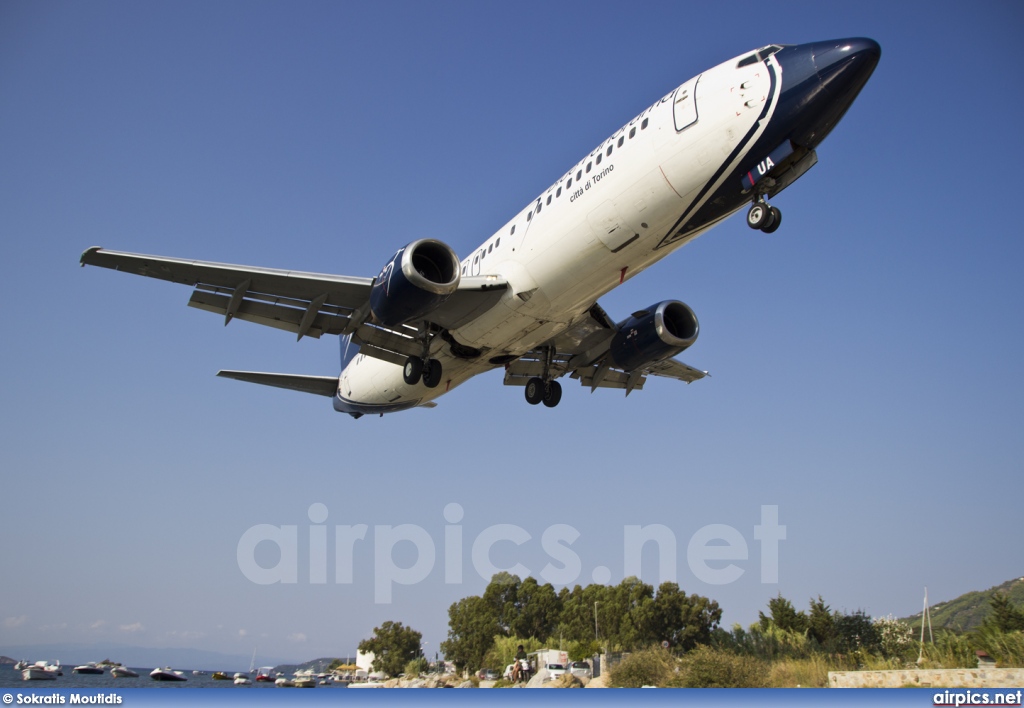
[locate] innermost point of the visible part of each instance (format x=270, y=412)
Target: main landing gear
x=540, y=391
x=764, y=217
x=544, y=389
x=416, y=368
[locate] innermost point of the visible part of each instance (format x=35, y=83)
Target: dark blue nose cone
x=820, y=81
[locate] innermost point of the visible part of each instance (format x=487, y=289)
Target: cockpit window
x=759, y=55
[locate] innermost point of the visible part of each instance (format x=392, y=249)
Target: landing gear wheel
x=552, y=394
x=758, y=215
x=413, y=370
x=535, y=390
x=774, y=224
x=432, y=373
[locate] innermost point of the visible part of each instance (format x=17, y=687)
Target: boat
x=242, y=680
x=21, y=665
x=198, y=673
x=122, y=672
x=282, y=682
x=265, y=674
x=167, y=674
x=40, y=671
x=220, y=676
x=90, y=668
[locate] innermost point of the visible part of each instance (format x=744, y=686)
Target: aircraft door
x=684, y=104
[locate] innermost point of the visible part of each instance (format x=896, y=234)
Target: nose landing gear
x=764, y=217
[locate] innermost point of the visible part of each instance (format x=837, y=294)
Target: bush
x=705, y=667
x=811, y=672
x=647, y=667
x=416, y=667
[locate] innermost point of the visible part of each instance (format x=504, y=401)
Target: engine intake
x=659, y=332
x=418, y=279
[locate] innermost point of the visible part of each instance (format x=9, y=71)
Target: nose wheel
x=764, y=217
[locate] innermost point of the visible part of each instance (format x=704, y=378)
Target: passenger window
x=621, y=140
x=490, y=248
x=558, y=192
x=569, y=183
x=598, y=160
x=632, y=132
x=643, y=126
x=588, y=167
x=498, y=242
x=549, y=199
x=579, y=175
x=513, y=230
x=608, y=152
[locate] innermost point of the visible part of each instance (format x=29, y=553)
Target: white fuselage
x=602, y=223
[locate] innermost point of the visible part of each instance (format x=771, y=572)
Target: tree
x=472, y=626
x=539, y=609
x=783, y=615
x=684, y=621
x=821, y=624
x=502, y=595
x=856, y=632
x=393, y=646
x=1005, y=616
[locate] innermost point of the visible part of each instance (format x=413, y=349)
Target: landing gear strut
x=542, y=389
x=422, y=367
x=764, y=217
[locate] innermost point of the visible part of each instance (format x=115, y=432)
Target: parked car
x=580, y=669
x=554, y=670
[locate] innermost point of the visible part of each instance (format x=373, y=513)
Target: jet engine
x=659, y=332
x=415, y=281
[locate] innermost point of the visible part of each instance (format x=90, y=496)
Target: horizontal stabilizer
x=320, y=385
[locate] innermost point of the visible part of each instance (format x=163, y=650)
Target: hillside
x=969, y=610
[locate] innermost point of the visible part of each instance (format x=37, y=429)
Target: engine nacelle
x=415, y=281
x=659, y=332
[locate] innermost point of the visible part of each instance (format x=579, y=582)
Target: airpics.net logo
x=716, y=554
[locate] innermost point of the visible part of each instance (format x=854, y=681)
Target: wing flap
x=319, y=385
x=279, y=316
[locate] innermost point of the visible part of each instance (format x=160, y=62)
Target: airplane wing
x=581, y=352
x=307, y=304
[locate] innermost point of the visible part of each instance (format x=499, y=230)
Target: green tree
x=472, y=626
x=393, y=646
x=821, y=624
x=684, y=621
x=857, y=632
x=539, y=609
x=783, y=615
x=1005, y=616
x=502, y=596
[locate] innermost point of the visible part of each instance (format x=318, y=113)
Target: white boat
x=167, y=674
x=35, y=672
x=21, y=665
x=198, y=673
x=242, y=680
x=122, y=672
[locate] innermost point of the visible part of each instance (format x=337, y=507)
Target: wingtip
x=85, y=254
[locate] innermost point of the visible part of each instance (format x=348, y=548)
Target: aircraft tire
x=534, y=390
x=552, y=394
x=773, y=225
x=432, y=373
x=758, y=215
x=413, y=370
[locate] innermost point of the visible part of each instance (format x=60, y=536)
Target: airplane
x=526, y=299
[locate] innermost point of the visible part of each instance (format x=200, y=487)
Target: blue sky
x=864, y=358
